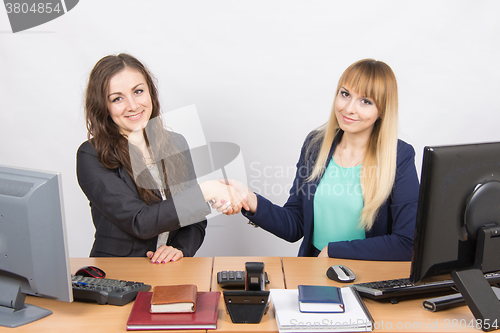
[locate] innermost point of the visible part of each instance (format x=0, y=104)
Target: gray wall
x=262, y=74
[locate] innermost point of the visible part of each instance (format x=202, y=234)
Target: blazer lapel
x=314, y=184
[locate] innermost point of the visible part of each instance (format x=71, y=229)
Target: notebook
x=204, y=318
x=320, y=299
x=179, y=298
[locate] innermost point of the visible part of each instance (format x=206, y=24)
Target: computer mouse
x=340, y=273
x=91, y=271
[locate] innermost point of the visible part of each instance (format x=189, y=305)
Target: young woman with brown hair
x=138, y=176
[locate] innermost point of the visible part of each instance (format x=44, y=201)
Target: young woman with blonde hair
x=356, y=188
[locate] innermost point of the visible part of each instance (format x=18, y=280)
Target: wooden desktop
x=286, y=272
x=406, y=316
x=91, y=317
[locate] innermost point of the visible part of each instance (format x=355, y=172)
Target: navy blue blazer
x=390, y=238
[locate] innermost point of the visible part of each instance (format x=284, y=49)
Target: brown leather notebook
x=174, y=299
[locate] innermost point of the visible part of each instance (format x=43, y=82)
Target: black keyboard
x=403, y=287
x=105, y=291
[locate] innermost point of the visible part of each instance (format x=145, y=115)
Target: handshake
x=229, y=196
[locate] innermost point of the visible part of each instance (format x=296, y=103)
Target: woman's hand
x=164, y=254
x=222, y=197
x=323, y=253
x=248, y=197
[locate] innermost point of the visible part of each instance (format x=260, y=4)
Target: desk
x=91, y=317
x=407, y=316
x=283, y=273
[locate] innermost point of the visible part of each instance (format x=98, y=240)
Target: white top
x=155, y=173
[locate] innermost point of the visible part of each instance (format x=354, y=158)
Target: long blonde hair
x=375, y=80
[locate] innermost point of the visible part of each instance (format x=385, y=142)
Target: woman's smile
x=136, y=116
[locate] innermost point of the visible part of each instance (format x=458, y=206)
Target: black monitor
x=33, y=250
x=458, y=222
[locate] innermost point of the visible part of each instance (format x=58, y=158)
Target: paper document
x=356, y=317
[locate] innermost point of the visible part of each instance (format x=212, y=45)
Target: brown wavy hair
x=112, y=147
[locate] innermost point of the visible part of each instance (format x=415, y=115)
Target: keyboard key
x=105, y=291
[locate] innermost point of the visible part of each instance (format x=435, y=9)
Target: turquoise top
x=337, y=206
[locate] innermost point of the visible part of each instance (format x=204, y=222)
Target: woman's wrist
x=252, y=201
x=206, y=189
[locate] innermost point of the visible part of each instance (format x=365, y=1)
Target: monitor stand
x=480, y=298
x=13, y=311
x=474, y=288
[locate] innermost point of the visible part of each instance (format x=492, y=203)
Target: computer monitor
x=458, y=222
x=33, y=251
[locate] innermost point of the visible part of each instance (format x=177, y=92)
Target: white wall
x=262, y=74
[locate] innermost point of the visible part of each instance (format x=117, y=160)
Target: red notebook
x=205, y=317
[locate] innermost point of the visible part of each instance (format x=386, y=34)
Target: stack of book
x=175, y=307
x=320, y=309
